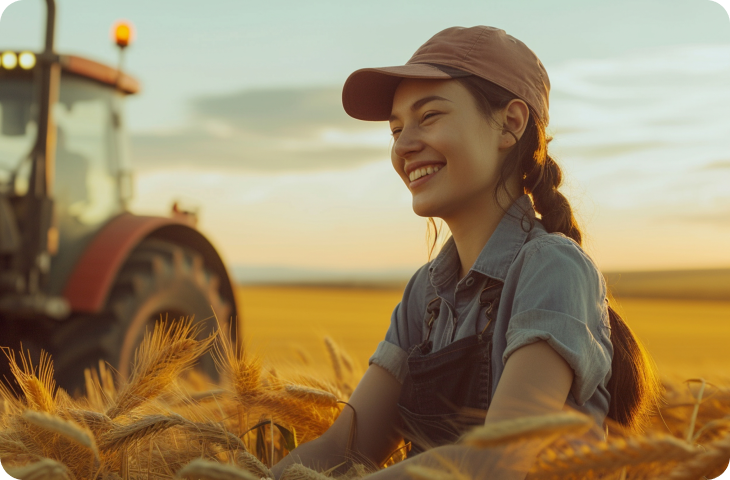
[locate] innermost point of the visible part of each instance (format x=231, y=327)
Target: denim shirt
x=552, y=291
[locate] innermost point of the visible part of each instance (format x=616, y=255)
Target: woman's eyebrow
x=419, y=103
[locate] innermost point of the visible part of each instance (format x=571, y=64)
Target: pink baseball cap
x=487, y=52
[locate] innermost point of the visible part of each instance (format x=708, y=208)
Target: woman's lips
x=425, y=178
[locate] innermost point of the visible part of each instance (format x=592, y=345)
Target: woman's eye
x=425, y=117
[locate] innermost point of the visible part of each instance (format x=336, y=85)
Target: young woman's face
x=436, y=126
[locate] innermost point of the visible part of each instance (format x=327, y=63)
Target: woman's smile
x=422, y=175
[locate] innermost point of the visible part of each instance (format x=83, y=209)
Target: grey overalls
x=447, y=392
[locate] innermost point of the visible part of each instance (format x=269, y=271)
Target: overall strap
x=489, y=297
x=432, y=308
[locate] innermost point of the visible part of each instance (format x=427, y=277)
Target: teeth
x=416, y=174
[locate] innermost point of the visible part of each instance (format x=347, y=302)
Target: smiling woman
x=511, y=319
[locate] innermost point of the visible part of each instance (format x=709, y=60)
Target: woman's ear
x=514, y=121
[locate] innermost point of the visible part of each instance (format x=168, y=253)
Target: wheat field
x=687, y=338
x=303, y=357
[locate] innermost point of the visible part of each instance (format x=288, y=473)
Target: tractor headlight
x=26, y=60
x=9, y=60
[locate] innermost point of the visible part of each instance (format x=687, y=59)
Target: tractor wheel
x=159, y=280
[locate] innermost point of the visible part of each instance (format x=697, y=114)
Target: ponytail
x=634, y=385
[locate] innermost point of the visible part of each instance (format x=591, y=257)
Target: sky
x=240, y=116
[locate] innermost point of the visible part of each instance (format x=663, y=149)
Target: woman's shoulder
x=544, y=244
x=556, y=254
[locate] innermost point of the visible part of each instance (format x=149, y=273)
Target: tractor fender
x=93, y=275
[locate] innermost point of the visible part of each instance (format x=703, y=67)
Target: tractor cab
x=80, y=276
x=92, y=177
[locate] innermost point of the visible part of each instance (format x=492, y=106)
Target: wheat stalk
x=524, y=428
x=312, y=395
x=207, y=470
x=45, y=469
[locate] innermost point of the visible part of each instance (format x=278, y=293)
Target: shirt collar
x=500, y=251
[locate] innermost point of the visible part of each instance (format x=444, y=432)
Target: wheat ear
x=65, y=428
x=524, y=428
x=207, y=395
x=200, y=469
x=297, y=471
x=419, y=472
x=37, y=389
x=94, y=420
x=611, y=455
x=214, y=433
x=312, y=395
x=45, y=469
x=10, y=446
x=303, y=415
x=716, y=455
x=122, y=435
x=158, y=362
x=245, y=376
x=334, y=358
x=252, y=464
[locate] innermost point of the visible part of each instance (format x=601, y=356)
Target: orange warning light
x=122, y=33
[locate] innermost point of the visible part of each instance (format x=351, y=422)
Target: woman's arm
x=375, y=401
x=536, y=381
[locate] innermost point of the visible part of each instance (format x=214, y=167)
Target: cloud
x=719, y=165
x=280, y=111
x=266, y=130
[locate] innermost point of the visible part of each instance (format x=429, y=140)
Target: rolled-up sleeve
x=561, y=298
x=405, y=327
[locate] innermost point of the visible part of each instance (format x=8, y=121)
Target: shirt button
x=470, y=281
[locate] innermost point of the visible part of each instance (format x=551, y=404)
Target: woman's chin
x=424, y=209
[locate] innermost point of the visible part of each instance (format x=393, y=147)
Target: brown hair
x=634, y=385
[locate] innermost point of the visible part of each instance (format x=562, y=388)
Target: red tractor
x=80, y=276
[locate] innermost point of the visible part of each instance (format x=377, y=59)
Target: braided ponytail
x=634, y=385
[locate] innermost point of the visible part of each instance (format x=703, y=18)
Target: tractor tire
x=159, y=280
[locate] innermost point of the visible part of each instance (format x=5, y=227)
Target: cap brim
x=368, y=92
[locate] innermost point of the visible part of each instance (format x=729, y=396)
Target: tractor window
x=17, y=128
x=86, y=182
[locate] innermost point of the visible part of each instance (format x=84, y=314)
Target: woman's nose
x=407, y=143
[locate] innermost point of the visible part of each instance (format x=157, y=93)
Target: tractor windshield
x=89, y=145
x=17, y=127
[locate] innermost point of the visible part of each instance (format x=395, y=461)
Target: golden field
x=312, y=346
x=687, y=338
